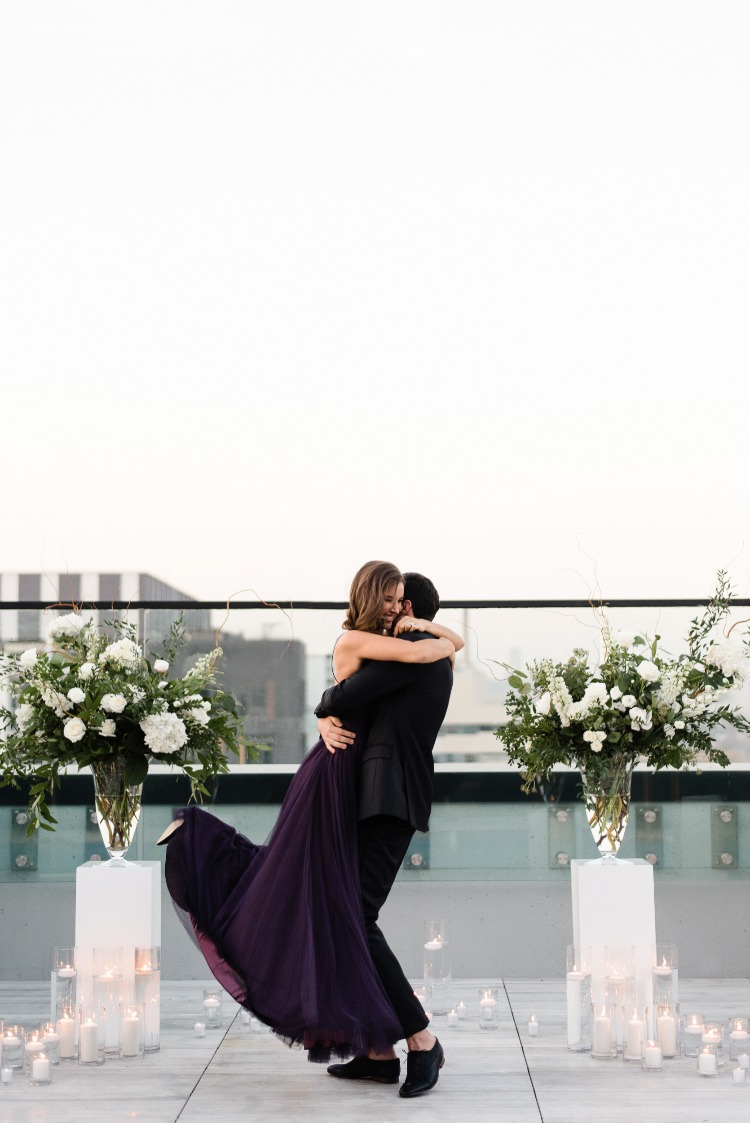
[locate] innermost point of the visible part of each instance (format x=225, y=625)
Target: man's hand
x=332, y=732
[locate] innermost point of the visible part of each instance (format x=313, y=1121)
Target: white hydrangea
x=108, y=727
x=124, y=653
x=28, y=659
x=113, y=703
x=65, y=626
x=164, y=733
x=24, y=716
x=74, y=729
x=732, y=659
x=197, y=714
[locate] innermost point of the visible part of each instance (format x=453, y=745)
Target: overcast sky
x=285, y=286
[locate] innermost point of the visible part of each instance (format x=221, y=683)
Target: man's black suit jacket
x=411, y=700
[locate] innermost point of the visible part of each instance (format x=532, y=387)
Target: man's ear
x=406, y=609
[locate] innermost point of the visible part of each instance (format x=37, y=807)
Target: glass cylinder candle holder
x=6, y=1075
x=713, y=1034
x=39, y=1069
x=132, y=1029
x=636, y=1032
x=108, y=970
x=489, y=1008
x=462, y=1010
x=33, y=1045
x=651, y=1056
x=603, y=1031
x=739, y=1077
x=66, y=1029
x=739, y=1038
x=12, y=1048
x=453, y=1019
x=199, y=1029
x=707, y=1063
x=619, y=983
x=423, y=993
x=92, y=1022
x=578, y=998
x=693, y=1028
x=667, y=1030
x=51, y=1039
x=212, y=1007
x=64, y=975
x=148, y=993
x=437, y=965
x=664, y=975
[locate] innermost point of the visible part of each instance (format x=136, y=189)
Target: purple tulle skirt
x=281, y=925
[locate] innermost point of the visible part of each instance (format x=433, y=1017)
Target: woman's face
x=392, y=604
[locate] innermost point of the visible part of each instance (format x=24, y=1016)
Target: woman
x=281, y=925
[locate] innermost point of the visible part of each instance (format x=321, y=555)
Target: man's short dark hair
x=423, y=595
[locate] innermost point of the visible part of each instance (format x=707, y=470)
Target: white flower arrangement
x=639, y=703
x=87, y=697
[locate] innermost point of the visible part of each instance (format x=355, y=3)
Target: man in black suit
x=408, y=702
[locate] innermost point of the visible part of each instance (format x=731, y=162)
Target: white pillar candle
x=88, y=1042
x=6, y=1075
x=533, y=1027
x=130, y=1035
x=634, y=1039
x=66, y=1027
x=739, y=1076
x=40, y=1068
x=573, y=995
x=652, y=1056
x=199, y=1029
x=602, y=1036
x=707, y=1063
x=743, y=1060
x=667, y=1034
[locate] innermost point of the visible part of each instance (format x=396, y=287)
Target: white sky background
x=285, y=286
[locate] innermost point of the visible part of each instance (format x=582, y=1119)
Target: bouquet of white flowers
x=638, y=704
x=92, y=697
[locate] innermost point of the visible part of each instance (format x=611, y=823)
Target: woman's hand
x=333, y=734
x=411, y=624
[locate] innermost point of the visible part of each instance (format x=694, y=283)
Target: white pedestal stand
x=613, y=904
x=118, y=904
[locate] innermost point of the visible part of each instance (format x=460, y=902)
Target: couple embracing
x=290, y=927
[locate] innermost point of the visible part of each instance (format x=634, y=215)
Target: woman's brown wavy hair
x=369, y=588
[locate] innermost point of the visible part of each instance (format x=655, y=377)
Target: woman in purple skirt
x=280, y=924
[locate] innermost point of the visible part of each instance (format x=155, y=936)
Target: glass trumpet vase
x=606, y=783
x=118, y=805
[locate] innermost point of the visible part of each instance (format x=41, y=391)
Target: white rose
x=669, y=731
x=86, y=670
x=28, y=659
x=161, y=666
x=628, y=700
x=640, y=719
x=74, y=729
x=76, y=695
x=679, y=725
x=624, y=639
x=107, y=728
x=542, y=705
x=597, y=691
x=615, y=693
x=114, y=703
x=648, y=671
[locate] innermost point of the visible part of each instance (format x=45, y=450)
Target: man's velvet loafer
x=362, y=1068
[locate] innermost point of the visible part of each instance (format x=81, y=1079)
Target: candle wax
x=707, y=1064
x=40, y=1069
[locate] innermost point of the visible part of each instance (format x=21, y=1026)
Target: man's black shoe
x=362, y=1068
x=422, y=1068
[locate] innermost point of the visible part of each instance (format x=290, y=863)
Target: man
x=394, y=799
